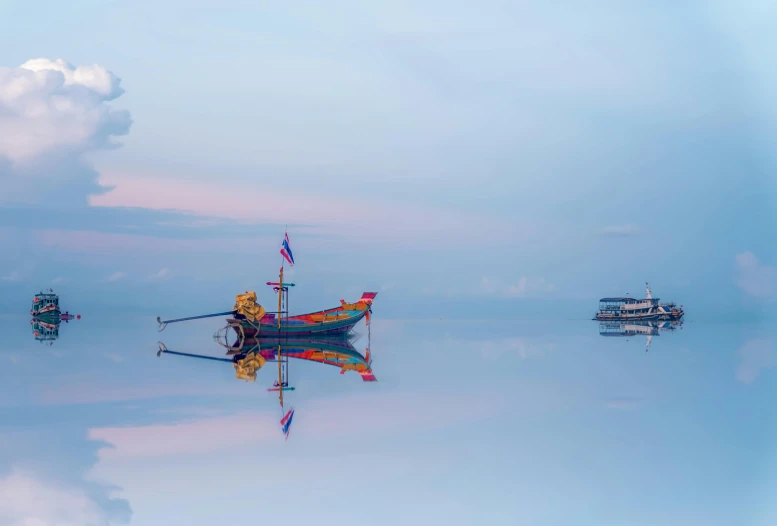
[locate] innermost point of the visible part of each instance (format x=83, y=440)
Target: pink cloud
x=345, y=416
x=89, y=393
x=85, y=241
x=370, y=219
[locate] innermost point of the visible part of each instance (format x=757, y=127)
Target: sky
x=500, y=161
x=511, y=158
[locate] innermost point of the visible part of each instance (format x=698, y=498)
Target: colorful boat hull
x=330, y=322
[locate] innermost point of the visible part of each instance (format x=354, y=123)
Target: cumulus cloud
x=619, y=231
x=114, y=357
x=26, y=501
x=524, y=347
x=116, y=276
x=754, y=356
x=13, y=276
x=525, y=286
x=51, y=113
x=754, y=277
x=162, y=274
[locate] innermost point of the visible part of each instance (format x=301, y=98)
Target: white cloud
x=755, y=356
x=525, y=286
x=620, y=231
x=28, y=501
x=161, y=274
x=753, y=277
x=13, y=276
x=51, y=113
x=116, y=276
x=114, y=357
x=48, y=105
x=524, y=347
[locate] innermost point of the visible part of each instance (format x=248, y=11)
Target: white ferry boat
x=628, y=309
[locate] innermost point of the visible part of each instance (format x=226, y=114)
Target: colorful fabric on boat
x=246, y=368
x=286, y=250
x=359, y=305
x=246, y=305
x=367, y=297
x=286, y=423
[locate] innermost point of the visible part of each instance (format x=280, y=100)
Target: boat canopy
x=627, y=300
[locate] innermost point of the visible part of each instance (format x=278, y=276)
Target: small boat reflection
x=45, y=332
x=647, y=328
x=45, y=329
x=47, y=316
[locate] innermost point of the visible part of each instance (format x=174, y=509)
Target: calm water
x=541, y=423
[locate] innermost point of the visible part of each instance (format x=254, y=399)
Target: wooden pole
x=280, y=314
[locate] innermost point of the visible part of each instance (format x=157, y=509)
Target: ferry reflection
x=647, y=328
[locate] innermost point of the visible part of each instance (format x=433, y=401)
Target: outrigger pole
x=163, y=349
x=163, y=324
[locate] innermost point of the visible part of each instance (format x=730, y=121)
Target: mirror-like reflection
x=338, y=352
x=544, y=406
x=254, y=337
x=47, y=317
x=647, y=328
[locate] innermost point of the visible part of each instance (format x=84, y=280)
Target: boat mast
x=648, y=295
x=280, y=297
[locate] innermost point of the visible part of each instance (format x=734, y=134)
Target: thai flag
x=286, y=250
x=286, y=423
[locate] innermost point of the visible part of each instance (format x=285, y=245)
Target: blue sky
x=440, y=152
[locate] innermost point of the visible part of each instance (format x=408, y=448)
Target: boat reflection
x=647, y=328
x=45, y=332
x=45, y=329
x=253, y=355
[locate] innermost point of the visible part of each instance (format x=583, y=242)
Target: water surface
x=470, y=422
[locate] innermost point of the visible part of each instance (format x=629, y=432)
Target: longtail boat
x=334, y=321
x=263, y=336
x=255, y=321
